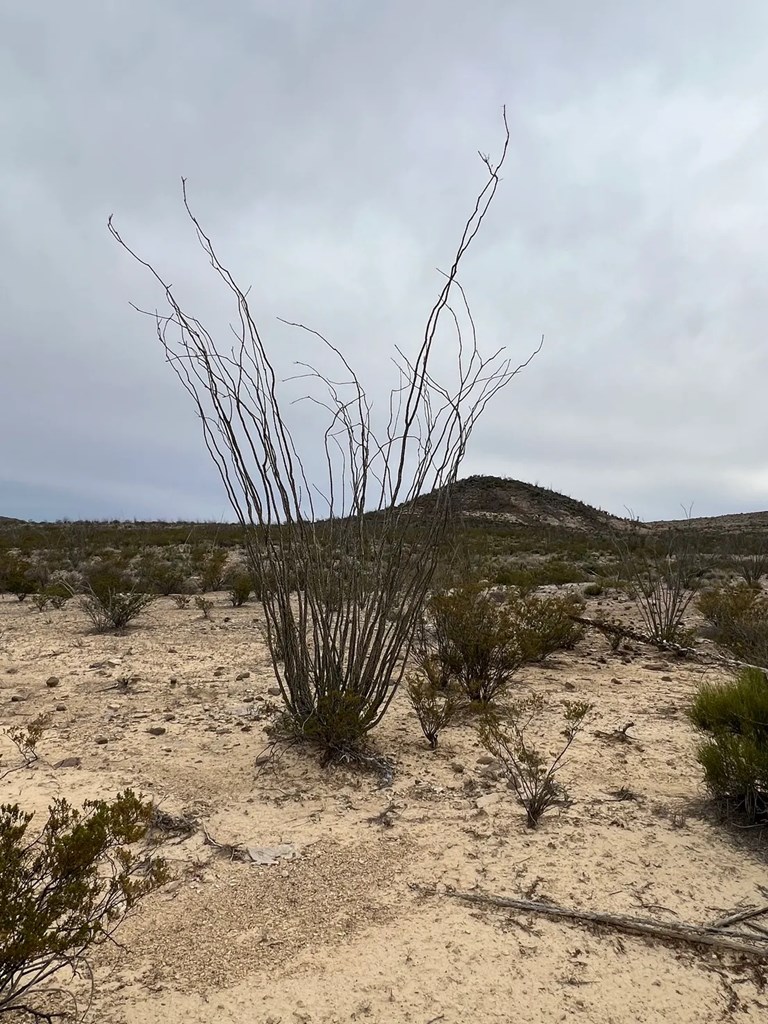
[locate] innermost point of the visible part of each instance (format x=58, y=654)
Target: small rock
x=266, y=855
x=70, y=762
x=264, y=758
x=242, y=675
x=11, y=671
x=666, y=679
x=16, y=698
x=457, y=767
x=484, y=802
x=615, y=680
x=487, y=759
x=274, y=691
x=52, y=681
x=569, y=686
x=157, y=730
x=61, y=707
x=173, y=680
x=101, y=740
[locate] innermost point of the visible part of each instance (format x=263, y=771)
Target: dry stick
x=742, y=915
x=664, y=645
x=694, y=934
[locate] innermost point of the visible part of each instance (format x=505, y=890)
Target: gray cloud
x=331, y=152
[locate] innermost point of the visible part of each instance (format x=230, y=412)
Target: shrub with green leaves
x=65, y=889
x=734, y=718
x=435, y=708
x=112, y=600
x=533, y=775
x=738, y=614
x=240, y=589
x=470, y=639
x=543, y=625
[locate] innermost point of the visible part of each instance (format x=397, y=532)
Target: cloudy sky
x=331, y=151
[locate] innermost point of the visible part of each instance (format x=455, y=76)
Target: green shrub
x=435, y=708
x=240, y=589
x=111, y=599
x=472, y=641
x=532, y=775
x=543, y=625
x=734, y=717
x=66, y=889
x=205, y=605
x=17, y=577
x=738, y=614
x=593, y=589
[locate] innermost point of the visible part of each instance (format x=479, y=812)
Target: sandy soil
x=338, y=934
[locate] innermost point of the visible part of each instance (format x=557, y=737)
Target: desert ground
x=337, y=930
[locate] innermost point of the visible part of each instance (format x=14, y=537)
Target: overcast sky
x=331, y=151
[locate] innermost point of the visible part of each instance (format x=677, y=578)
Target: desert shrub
x=17, y=577
x=205, y=605
x=738, y=614
x=751, y=561
x=594, y=589
x=734, y=756
x=181, y=600
x=543, y=625
x=64, y=890
x=469, y=639
x=532, y=775
x=40, y=601
x=24, y=739
x=240, y=589
x=662, y=577
x=212, y=569
x=111, y=599
x=161, y=575
x=435, y=707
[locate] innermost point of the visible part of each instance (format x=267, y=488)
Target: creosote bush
x=734, y=755
x=240, y=589
x=435, y=707
x=738, y=613
x=532, y=775
x=112, y=599
x=472, y=638
x=66, y=888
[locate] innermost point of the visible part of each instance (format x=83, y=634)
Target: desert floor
x=338, y=934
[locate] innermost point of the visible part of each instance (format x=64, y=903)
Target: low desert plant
x=65, y=890
x=734, y=718
x=111, y=599
x=751, y=562
x=205, y=605
x=469, y=639
x=181, y=600
x=25, y=740
x=738, y=614
x=662, y=577
x=240, y=589
x=532, y=775
x=435, y=707
x=543, y=625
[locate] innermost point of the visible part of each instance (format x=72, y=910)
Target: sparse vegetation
x=64, y=890
x=533, y=776
x=738, y=615
x=435, y=707
x=112, y=600
x=734, y=755
x=240, y=589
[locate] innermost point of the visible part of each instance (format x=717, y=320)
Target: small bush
x=734, y=716
x=111, y=599
x=65, y=890
x=594, y=589
x=435, y=708
x=533, y=776
x=181, y=600
x=205, y=605
x=212, y=569
x=240, y=589
x=470, y=639
x=738, y=614
x=543, y=625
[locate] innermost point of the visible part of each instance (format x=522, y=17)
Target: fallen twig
x=694, y=934
x=741, y=915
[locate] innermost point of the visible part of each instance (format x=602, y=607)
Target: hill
x=496, y=499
